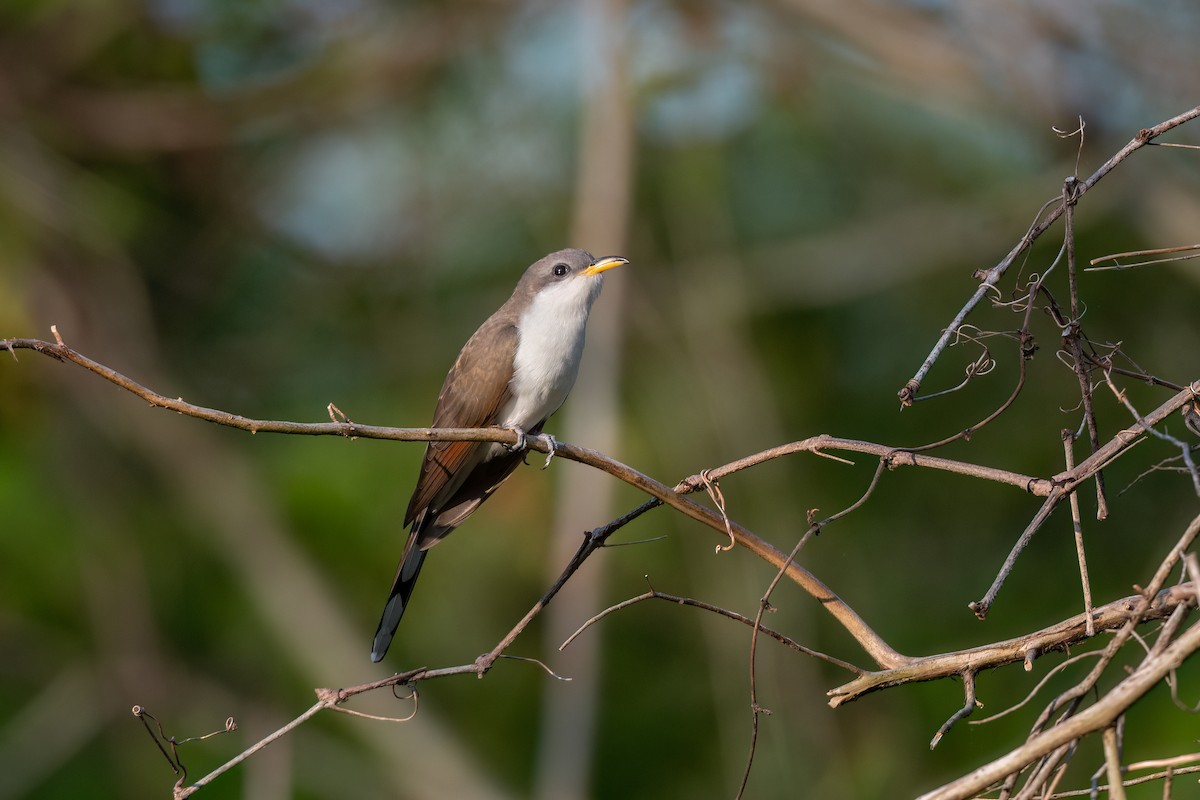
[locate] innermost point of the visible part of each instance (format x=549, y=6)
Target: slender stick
x=1077, y=524
x=1072, y=337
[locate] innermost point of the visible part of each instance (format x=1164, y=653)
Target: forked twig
x=989, y=278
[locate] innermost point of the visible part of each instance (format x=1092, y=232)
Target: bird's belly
x=544, y=371
x=535, y=397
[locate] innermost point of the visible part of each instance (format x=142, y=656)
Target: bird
x=514, y=372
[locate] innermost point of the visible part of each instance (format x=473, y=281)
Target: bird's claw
x=551, y=446
x=522, y=443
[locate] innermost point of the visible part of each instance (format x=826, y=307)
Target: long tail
x=402, y=587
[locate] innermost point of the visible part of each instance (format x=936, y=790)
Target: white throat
x=549, y=349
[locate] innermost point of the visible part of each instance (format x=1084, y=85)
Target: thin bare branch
x=1072, y=335
x=1077, y=525
x=968, y=708
x=895, y=456
x=983, y=606
x=1112, y=763
x=1192, y=250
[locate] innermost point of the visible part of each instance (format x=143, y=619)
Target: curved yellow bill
x=601, y=264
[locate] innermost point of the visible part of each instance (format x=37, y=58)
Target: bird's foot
x=522, y=443
x=551, y=447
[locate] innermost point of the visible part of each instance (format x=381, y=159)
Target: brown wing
x=474, y=391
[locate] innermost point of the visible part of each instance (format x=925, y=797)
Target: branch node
x=337, y=416
x=909, y=392
x=1029, y=345
x=1071, y=189
x=330, y=697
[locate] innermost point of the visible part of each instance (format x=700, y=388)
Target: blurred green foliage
x=264, y=207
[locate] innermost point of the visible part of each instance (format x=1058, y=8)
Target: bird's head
x=566, y=274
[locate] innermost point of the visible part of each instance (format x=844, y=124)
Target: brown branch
x=756, y=710
x=1049, y=772
x=1054, y=489
x=894, y=456
x=1106, y=364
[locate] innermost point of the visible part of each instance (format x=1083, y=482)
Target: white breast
x=549, y=349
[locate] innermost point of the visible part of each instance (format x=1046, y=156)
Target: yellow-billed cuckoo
x=514, y=372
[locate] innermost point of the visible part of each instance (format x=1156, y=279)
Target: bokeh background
x=268, y=206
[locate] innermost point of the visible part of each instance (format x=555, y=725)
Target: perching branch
x=875, y=646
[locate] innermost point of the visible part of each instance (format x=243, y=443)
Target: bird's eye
x=561, y=269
